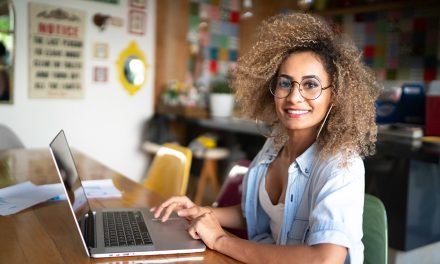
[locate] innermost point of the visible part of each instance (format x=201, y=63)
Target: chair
x=8, y=139
x=375, y=230
x=231, y=191
x=169, y=171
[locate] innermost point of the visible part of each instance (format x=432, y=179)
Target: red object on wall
x=213, y=67
x=369, y=51
x=235, y=17
x=429, y=75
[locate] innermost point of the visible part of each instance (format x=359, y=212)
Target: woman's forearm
x=252, y=252
x=230, y=217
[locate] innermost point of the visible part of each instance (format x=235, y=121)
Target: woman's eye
x=309, y=85
x=285, y=84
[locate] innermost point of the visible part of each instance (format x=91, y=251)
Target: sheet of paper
x=96, y=189
x=24, y=195
x=101, y=189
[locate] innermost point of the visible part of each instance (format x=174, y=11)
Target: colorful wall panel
x=398, y=45
x=213, y=37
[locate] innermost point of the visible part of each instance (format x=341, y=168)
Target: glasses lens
x=282, y=87
x=310, y=88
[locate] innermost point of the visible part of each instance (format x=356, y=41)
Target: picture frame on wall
x=136, y=22
x=100, y=50
x=113, y=2
x=138, y=4
x=100, y=74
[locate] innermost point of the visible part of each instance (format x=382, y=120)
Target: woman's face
x=295, y=112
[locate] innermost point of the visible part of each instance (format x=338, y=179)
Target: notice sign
x=56, y=46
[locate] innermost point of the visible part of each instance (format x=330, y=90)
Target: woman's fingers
x=173, y=203
x=189, y=212
x=193, y=212
x=168, y=211
x=207, y=228
x=192, y=232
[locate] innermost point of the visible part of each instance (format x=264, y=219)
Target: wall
x=171, y=44
x=107, y=123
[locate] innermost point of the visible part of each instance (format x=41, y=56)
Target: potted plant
x=221, y=98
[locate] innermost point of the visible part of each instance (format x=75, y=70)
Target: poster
x=56, y=47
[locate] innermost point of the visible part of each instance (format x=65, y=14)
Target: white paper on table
x=100, y=189
x=95, y=189
x=24, y=195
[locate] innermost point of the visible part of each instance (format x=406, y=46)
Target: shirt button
x=296, y=166
x=306, y=170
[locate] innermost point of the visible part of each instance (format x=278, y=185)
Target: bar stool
x=208, y=174
x=150, y=147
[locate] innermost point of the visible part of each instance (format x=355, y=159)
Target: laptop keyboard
x=125, y=228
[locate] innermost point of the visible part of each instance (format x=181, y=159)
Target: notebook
x=112, y=232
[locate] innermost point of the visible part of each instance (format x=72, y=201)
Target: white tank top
x=275, y=212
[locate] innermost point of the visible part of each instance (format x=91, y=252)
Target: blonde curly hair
x=350, y=127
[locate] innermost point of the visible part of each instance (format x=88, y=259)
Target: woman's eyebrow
x=311, y=76
x=302, y=78
x=286, y=76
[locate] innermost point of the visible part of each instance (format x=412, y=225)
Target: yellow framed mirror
x=132, y=68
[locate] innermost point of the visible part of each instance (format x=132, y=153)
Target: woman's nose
x=295, y=94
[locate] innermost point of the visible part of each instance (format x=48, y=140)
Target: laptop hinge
x=89, y=229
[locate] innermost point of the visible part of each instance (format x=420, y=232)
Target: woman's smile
x=296, y=113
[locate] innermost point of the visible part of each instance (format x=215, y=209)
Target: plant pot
x=221, y=105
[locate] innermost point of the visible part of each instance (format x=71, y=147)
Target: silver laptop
x=113, y=232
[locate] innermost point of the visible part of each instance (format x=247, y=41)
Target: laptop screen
x=69, y=175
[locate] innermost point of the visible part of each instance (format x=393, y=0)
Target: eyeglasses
x=310, y=88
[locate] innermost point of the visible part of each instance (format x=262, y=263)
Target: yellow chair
x=169, y=171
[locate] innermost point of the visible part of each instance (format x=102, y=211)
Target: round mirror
x=6, y=50
x=132, y=68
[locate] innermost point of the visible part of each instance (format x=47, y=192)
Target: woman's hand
x=182, y=205
x=207, y=228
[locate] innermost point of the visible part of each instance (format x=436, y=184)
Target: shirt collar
x=306, y=159
x=269, y=152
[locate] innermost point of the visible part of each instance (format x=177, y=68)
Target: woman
x=303, y=194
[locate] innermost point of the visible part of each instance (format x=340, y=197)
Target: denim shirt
x=323, y=202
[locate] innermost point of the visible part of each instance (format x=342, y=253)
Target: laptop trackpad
x=172, y=225
x=171, y=234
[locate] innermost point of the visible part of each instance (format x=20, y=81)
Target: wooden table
x=46, y=233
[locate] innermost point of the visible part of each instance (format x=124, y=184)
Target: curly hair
x=350, y=127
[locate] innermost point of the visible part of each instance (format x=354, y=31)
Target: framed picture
x=136, y=22
x=100, y=50
x=114, y=2
x=100, y=74
x=138, y=3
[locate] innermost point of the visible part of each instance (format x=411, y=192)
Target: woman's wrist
x=207, y=209
x=218, y=242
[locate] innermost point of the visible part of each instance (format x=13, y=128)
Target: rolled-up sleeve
x=337, y=198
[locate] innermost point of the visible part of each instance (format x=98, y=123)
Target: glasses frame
x=273, y=87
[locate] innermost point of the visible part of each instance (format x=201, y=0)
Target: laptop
x=113, y=232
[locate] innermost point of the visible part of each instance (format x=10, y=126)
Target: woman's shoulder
x=351, y=166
